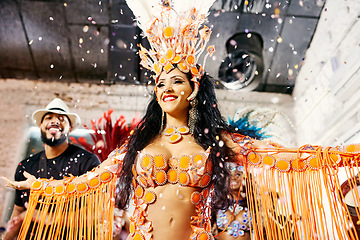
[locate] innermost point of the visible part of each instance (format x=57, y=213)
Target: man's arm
x=14, y=224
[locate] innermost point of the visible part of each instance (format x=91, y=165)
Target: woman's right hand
x=20, y=185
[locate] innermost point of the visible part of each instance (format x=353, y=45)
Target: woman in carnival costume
x=234, y=221
x=174, y=164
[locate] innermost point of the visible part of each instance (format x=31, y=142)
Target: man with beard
x=58, y=159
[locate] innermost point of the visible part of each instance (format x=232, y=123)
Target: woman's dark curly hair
x=208, y=131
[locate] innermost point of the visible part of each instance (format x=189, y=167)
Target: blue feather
x=243, y=126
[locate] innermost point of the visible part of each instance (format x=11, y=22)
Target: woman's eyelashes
x=160, y=85
x=174, y=81
x=178, y=81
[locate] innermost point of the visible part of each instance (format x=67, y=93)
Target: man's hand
x=20, y=185
x=13, y=226
x=14, y=222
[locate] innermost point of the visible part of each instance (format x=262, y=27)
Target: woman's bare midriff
x=171, y=213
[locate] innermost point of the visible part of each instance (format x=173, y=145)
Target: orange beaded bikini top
x=187, y=170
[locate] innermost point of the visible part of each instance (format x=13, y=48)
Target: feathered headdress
x=176, y=35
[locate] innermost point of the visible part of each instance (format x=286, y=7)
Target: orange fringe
x=298, y=198
x=87, y=215
x=307, y=204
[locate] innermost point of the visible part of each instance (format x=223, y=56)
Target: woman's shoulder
x=119, y=152
x=232, y=134
x=231, y=138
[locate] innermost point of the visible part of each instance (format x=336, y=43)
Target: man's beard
x=52, y=141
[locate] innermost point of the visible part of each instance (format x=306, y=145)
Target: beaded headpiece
x=176, y=35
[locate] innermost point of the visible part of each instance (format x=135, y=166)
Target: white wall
x=327, y=90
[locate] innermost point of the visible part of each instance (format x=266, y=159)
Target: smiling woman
x=172, y=92
x=175, y=164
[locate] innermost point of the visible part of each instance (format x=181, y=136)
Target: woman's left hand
x=20, y=185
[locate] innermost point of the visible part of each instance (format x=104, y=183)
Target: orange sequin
x=169, y=130
x=168, y=32
x=48, y=190
x=170, y=54
x=70, y=188
x=159, y=162
x=176, y=59
x=162, y=61
x=353, y=148
x=269, y=160
x=132, y=229
x=183, y=130
x=253, y=158
x=205, y=193
x=314, y=162
x=282, y=165
x=160, y=177
x=106, y=176
x=172, y=176
x=190, y=60
x=203, y=236
x=81, y=187
x=183, y=67
x=195, y=197
x=139, y=191
x=175, y=137
x=199, y=160
x=36, y=185
x=184, y=162
x=157, y=68
x=298, y=165
x=138, y=236
x=146, y=162
x=168, y=67
x=149, y=197
x=205, y=180
x=94, y=182
x=183, y=178
x=194, y=71
x=59, y=189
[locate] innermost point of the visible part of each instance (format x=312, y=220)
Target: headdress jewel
x=176, y=35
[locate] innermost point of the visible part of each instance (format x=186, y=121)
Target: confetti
x=86, y=28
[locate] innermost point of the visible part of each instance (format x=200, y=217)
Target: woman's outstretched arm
x=73, y=205
x=300, y=185
x=112, y=164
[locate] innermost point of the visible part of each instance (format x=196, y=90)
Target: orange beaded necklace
x=175, y=133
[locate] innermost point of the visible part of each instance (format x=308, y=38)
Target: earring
x=193, y=112
x=162, y=120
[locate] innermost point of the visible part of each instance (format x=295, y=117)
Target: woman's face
x=173, y=88
x=235, y=179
